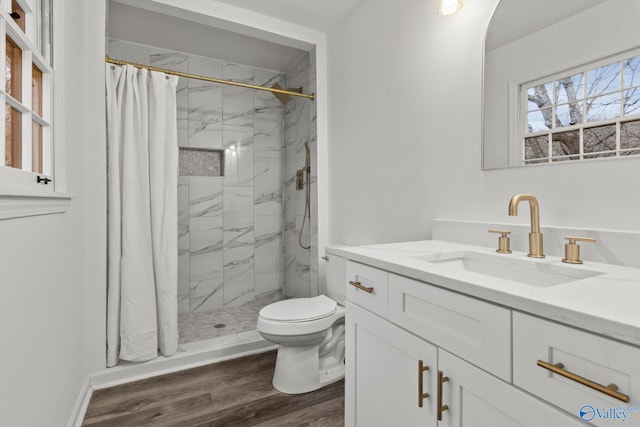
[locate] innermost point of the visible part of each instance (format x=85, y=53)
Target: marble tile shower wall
x=230, y=227
x=301, y=265
x=232, y=236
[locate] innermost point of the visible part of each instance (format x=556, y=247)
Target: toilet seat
x=299, y=309
x=311, y=324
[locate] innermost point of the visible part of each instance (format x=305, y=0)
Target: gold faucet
x=535, y=237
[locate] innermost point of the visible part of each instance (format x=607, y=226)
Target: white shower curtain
x=142, y=148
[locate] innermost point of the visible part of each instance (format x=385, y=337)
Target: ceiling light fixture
x=448, y=7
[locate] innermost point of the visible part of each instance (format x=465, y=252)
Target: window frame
x=21, y=194
x=521, y=93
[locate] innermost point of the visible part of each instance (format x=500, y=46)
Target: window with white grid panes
x=586, y=113
x=26, y=95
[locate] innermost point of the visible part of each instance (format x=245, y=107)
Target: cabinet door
x=382, y=374
x=477, y=399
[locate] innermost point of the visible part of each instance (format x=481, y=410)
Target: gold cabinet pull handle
x=360, y=286
x=421, y=394
x=441, y=408
x=610, y=390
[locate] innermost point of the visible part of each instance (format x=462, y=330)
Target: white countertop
x=607, y=304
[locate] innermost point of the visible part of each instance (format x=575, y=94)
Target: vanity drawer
x=591, y=357
x=474, y=330
x=367, y=287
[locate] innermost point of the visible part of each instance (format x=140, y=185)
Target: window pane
x=569, y=114
x=601, y=138
x=632, y=101
x=566, y=143
x=540, y=96
x=600, y=155
x=36, y=90
x=630, y=134
x=13, y=71
x=570, y=89
x=13, y=138
x=36, y=147
x=17, y=14
x=43, y=28
x=536, y=161
x=631, y=72
x=603, y=107
x=603, y=80
x=539, y=120
x=536, y=147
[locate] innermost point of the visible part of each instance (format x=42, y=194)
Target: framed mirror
x=532, y=51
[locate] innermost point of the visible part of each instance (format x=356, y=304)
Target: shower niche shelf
x=199, y=161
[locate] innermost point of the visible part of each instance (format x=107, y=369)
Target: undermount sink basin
x=504, y=267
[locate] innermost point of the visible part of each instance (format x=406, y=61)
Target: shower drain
x=219, y=325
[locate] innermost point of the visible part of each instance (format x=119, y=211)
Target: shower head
x=307, y=157
x=283, y=97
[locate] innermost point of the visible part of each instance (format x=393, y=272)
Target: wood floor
x=233, y=393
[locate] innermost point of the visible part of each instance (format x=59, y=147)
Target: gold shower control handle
x=421, y=394
x=572, y=249
x=359, y=285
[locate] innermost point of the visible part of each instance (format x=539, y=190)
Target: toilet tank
x=336, y=274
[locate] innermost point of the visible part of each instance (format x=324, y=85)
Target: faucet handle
x=504, y=242
x=572, y=249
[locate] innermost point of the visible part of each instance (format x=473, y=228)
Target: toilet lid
x=300, y=309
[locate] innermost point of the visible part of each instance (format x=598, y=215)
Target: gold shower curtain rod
x=211, y=79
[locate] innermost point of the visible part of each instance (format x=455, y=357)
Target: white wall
x=51, y=267
x=89, y=104
x=405, y=134
x=41, y=306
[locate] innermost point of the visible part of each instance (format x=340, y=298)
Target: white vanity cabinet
x=425, y=349
x=383, y=373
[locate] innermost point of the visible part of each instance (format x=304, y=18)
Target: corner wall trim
x=82, y=403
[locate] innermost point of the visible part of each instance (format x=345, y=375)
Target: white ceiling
x=514, y=19
x=166, y=31
x=152, y=23
x=317, y=14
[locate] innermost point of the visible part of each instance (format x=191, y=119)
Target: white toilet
x=310, y=334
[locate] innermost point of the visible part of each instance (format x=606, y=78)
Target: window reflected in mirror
x=593, y=113
x=561, y=82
